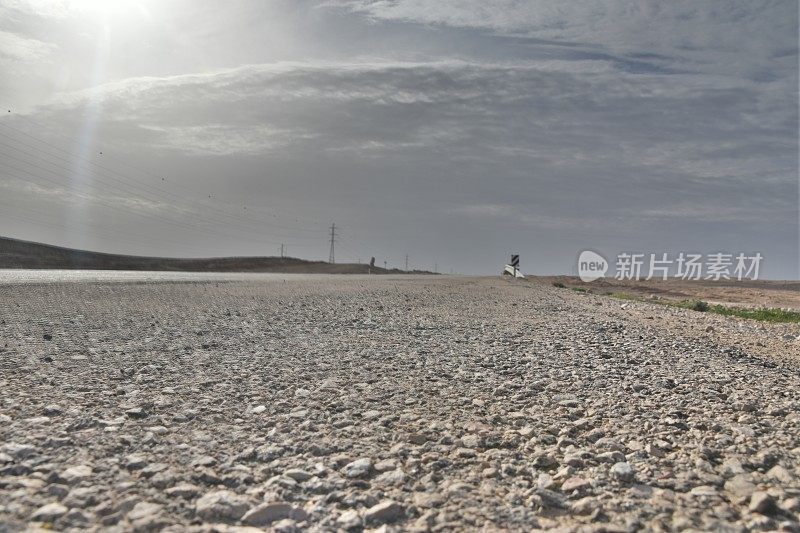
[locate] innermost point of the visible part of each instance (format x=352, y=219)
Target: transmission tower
x=333, y=240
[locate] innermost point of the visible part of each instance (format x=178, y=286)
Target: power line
x=333, y=240
x=343, y=244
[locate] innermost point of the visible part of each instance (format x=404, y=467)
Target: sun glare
x=106, y=7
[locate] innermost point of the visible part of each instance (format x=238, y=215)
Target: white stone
x=49, y=512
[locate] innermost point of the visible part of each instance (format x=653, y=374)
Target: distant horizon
x=321, y=260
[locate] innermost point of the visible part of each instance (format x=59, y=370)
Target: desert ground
x=426, y=403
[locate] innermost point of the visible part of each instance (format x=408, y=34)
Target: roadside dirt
x=761, y=293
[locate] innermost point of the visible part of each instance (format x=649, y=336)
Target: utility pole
x=282, y=256
x=333, y=239
x=436, y=268
x=384, y=265
x=406, y=262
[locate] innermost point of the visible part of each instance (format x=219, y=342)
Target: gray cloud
x=680, y=34
x=15, y=48
x=561, y=125
x=594, y=126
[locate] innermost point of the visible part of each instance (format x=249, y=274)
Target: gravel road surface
x=406, y=403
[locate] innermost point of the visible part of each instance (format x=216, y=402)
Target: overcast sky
x=456, y=131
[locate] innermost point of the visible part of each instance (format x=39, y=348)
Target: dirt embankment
x=24, y=254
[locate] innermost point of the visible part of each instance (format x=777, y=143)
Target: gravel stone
x=81, y=497
x=76, y=474
x=761, y=502
x=349, y=519
x=184, y=490
x=386, y=511
x=622, y=471
x=135, y=461
x=298, y=474
x=358, y=468
x=49, y=513
x=267, y=513
x=740, y=487
x=78, y=518
x=144, y=510
x=19, y=451
x=221, y=506
x=574, y=483
x=427, y=403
